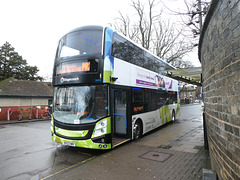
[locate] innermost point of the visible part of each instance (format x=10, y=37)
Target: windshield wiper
x=83, y=117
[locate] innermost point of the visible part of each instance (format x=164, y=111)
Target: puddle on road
x=66, y=157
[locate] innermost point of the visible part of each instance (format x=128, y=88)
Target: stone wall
x=219, y=53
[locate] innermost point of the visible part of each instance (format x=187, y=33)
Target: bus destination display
x=76, y=67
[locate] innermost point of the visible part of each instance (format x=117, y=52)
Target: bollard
x=8, y=115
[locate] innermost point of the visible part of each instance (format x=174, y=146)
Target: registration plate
x=67, y=143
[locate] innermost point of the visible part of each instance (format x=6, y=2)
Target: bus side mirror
x=114, y=78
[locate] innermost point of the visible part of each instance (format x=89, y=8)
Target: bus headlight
x=100, y=128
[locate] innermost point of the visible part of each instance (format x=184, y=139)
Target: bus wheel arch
x=138, y=129
x=173, y=115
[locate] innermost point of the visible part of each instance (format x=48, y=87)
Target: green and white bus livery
x=108, y=90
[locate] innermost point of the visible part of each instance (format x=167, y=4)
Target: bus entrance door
x=120, y=120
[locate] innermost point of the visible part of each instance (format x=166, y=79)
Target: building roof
x=22, y=88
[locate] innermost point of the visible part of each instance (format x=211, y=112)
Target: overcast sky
x=33, y=27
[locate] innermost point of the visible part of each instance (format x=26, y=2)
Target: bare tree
x=153, y=33
x=146, y=20
x=123, y=25
x=196, y=12
x=170, y=45
x=192, y=17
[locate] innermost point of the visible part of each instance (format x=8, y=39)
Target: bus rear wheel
x=137, y=130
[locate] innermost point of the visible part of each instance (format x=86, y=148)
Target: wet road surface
x=27, y=151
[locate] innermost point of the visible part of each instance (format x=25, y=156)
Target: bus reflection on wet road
x=27, y=152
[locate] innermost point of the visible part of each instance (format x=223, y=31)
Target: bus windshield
x=80, y=43
x=80, y=104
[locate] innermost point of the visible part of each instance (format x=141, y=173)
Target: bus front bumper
x=81, y=143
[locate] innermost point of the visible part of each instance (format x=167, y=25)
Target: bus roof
x=97, y=27
x=90, y=27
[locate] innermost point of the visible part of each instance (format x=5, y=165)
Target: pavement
x=4, y=122
x=175, y=151
x=142, y=162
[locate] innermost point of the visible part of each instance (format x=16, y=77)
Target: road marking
x=87, y=154
x=70, y=167
x=121, y=143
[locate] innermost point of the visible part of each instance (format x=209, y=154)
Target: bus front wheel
x=137, y=130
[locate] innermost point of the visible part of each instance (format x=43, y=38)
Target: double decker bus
x=108, y=90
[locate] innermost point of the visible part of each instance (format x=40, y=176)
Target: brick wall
x=27, y=112
x=26, y=106
x=219, y=53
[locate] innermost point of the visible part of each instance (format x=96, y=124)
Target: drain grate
x=156, y=156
